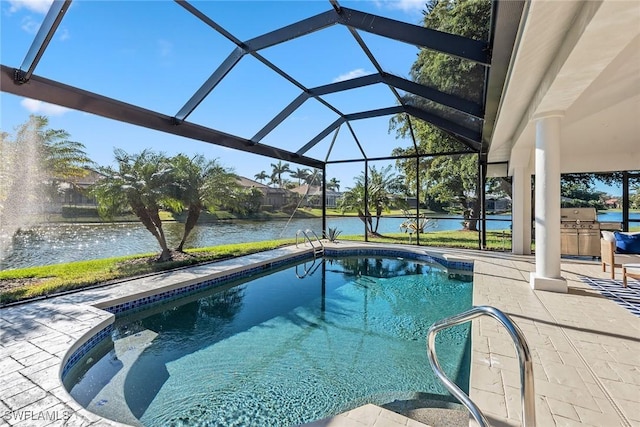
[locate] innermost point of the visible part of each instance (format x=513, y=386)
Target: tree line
x=143, y=183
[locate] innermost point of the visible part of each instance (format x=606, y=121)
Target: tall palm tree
x=314, y=178
x=278, y=169
x=142, y=182
x=300, y=175
x=333, y=184
x=62, y=158
x=59, y=158
x=353, y=199
x=198, y=183
x=382, y=187
x=262, y=176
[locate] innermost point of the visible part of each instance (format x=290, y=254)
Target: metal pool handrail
x=308, y=271
x=317, y=250
x=527, y=393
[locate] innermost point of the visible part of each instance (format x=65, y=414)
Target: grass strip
x=46, y=280
x=496, y=240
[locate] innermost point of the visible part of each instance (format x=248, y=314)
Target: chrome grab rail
x=308, y=271
x=527, y=393
x=317, y=250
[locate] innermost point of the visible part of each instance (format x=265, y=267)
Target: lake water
x=58, y=243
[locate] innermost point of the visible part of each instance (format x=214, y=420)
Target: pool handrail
x=317, y=250
x=308, y=271
x=527, y=392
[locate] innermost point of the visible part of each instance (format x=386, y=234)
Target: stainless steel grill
x=580, y=231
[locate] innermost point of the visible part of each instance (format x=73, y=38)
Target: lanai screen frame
x=505, y=17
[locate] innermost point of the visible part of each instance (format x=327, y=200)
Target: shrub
x=78, y=211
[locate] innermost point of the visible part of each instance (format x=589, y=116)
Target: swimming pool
x=286, y=346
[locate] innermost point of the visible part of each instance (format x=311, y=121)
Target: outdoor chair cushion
x=627, y=243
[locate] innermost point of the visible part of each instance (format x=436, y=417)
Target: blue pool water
x=280, y=350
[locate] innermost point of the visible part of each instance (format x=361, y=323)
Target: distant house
x=411, y=201
x=313, y=195
x=75, y=192
x=612, y=203
x=497, y=204
x=274, y=197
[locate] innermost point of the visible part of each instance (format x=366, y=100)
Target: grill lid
x=578, y=214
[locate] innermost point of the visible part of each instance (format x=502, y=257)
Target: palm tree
x=141, y=182
x=278, y=169
x=32, y=167
x=353, y=199
x=333, y=184
x=199, y=183
x=315, y=178
x=381, y=190
x=59, y=158
x=62, y=158
x=300, y=175
x=262, y=176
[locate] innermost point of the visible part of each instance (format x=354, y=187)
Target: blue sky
x=156, y=55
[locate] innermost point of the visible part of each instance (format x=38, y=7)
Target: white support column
x=521, y=211
x=547, y=276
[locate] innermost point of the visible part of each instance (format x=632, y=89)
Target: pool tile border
x=447, y=261
x=205, y=284
x=85, y=348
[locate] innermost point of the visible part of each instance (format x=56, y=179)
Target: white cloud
x=165, y=48
x=30, y=25
x=358, y=72
x=407, y=6
x=63, y=34
x=39, y=107
x=38, y=6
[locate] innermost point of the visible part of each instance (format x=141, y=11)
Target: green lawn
x=496, y=240
x=33, y=282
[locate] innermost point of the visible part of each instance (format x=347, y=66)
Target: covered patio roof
x=583, y=59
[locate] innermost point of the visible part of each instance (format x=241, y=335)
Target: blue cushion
x=627, y=243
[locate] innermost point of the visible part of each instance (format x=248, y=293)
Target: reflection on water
x=59, y=243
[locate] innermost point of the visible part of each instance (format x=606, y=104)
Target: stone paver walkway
x=586, y=349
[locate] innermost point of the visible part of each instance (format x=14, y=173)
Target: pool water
x=290, y=346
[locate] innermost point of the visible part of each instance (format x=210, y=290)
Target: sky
x=156, y=55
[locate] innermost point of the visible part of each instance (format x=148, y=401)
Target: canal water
x=59, y=243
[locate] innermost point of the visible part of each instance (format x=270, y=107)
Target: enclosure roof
x=469, y=120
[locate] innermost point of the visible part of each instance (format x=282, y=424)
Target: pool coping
x=574, y=383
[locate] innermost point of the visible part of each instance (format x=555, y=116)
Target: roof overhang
x=582, y=59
